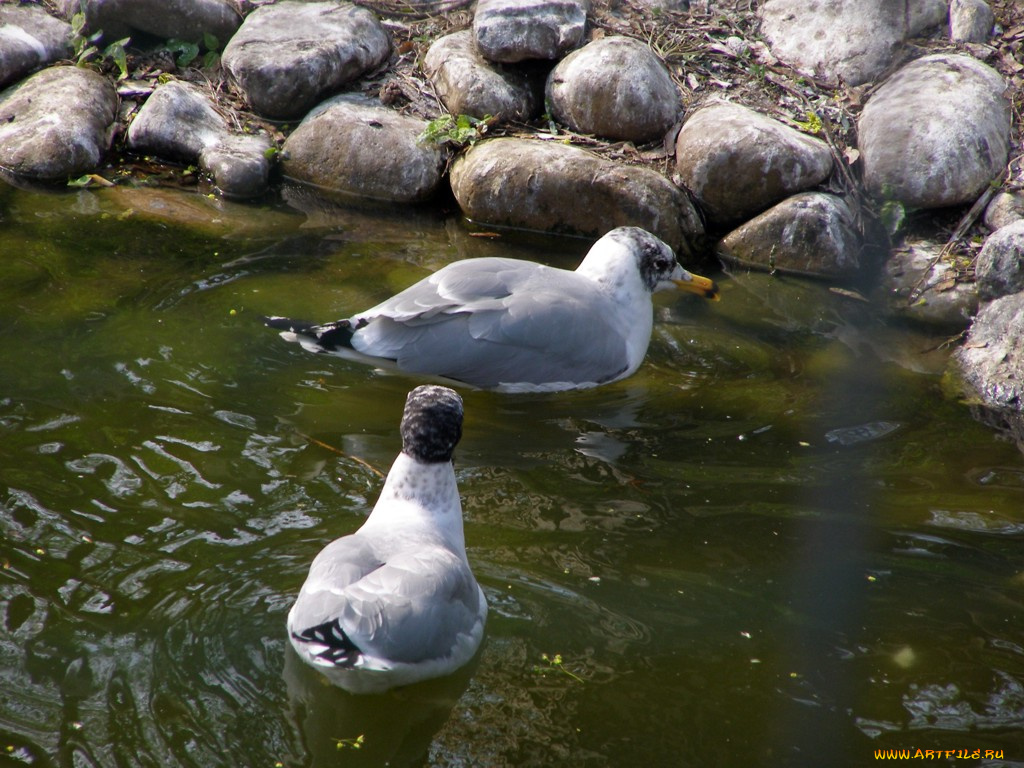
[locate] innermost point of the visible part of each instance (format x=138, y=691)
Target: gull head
x=431, y=423
x=659, y=270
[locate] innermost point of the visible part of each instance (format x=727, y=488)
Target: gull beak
x=702, y=286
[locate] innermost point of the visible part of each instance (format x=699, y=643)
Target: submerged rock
x=936, y=132
x=552, y=187
x=288, y=56
x=178, y=121
x=56, y=124
x=178, y=19
x=468, y=84
x=30, y=38
x=999, y=269
x=517, y=30
x=849, y=40
x=920, y=283
x=737, y=162
x=352, y=145
x=811, y=234
x=614, y=87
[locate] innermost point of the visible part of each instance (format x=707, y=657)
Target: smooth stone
x=468, y=84
x=810, y=234
x=936, y=133
x=288, y=56
x=552, y=187
x=170, y=19
x=852, y=41
x=30, y=38
x=738, y=162
x=615, y=87
x=179, y=121
x=57, y=123
x=991, y=359
x=970, y=21
x=919, y=284
x=1004, y=208
x=517, y=30
x=999, y=269
x=353, y=145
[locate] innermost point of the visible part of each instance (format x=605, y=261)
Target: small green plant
x=893, y=215
x=555, y=662
x=812, y=125
x=185, y=52
x=458, y=131
x=86, y=47
x=356, y=743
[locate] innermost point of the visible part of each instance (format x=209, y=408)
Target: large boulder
x=737, y=162
x=177, y=19
x=354, y=146
x=288, y=56
x=614, y=87
x=468, y=84
x=936, y=132
x=852, y=41
x=992, y=358
x=552, y=187
x=811, y=234
x=56, y=124
x=178, y=121
x=517, y=30
x=970, y=21
x=999, y=269
x=30, y=38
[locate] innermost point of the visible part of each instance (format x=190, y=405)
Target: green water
x=778, y=544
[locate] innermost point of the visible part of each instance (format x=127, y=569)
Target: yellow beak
x=702, y=286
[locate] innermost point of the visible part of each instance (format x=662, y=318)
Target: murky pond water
x=778, y=544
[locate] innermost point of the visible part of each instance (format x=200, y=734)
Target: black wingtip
x=338, y=648
x=326, y=337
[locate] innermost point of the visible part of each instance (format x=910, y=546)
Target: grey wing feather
x=409, y=610
x=491, y=321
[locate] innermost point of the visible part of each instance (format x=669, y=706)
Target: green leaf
x=210, y=42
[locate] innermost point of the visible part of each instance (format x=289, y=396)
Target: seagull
x=513, y=325
x=396, y=601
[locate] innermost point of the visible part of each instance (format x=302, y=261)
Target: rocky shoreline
x=835, y=143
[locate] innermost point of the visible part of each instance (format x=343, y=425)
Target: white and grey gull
x=516, y=325
x=396, y=602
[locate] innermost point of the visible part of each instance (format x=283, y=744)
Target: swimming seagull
x=396, y=602
x=514, y=325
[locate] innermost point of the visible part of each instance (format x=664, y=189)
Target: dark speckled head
x=654, y=258
x=432, y=423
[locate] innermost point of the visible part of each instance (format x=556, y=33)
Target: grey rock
x=57, y=123
x=1004, y=208
x=992, y=358
x=178, y=121
x=999, y=270
x=848, y=40
x=30, y=38
x=970, y=21
x=737, y=162
x=468, y=84
x=354, y=146
x=177, y=19
x=919, y=283
x=553, y=187
x=517, y=30
x=936, y=132
x=811, y=234
x=614, y=87
x=288, y=56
